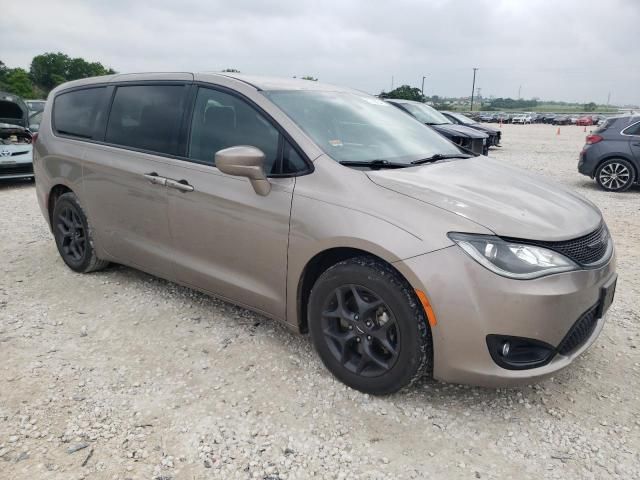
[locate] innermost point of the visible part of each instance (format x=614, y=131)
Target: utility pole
x=608, y=98
x=478, y=92
x=423, y=77
x=391, y=82
x=519, y=90
x=473, y=86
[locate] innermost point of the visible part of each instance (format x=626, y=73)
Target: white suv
x=523, y=118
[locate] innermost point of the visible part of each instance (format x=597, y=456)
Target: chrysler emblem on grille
x=5, y=153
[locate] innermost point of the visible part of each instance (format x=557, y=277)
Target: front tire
x=73, y=235
x=368, y=326
x=615, y=175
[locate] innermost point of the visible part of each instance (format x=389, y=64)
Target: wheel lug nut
x=356, y=317
x=350, y=327
x=369, y=337
x=358, y=339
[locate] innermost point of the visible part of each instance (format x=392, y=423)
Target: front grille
x=583, y=250
x=579, y=332
x=16, y=169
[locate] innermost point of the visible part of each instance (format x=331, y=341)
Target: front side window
x=77, y=113
x=351, y=127
x=147, y=117
x=221, y=120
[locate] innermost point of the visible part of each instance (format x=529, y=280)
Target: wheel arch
x=54, y=193
x=316, y=266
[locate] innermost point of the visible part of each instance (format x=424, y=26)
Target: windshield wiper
x=440, y=156
x=373, y=164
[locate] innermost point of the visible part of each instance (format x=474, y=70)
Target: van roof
x=256, y=81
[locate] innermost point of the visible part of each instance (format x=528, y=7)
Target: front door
x=229, y=240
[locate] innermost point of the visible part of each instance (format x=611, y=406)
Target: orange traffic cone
x=558, y=132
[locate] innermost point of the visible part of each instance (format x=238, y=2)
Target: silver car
x=333, y=212
x=16, y=152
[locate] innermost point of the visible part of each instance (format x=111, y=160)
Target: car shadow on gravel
x=16, y=184
x=592, y=186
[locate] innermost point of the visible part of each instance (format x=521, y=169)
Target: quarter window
x=147, y=117
x=77, y=113
x=633, y=129
x=221, y=120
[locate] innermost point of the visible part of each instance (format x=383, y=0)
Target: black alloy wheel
x=368, y=326
x=73, y=235
x=361, y=331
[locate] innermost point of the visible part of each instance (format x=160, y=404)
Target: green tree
x=17, y=81
x=51, y=69
x=231, y=70
x=590, y=107
x=3, y=70
x=309, y=77
x=404, y=92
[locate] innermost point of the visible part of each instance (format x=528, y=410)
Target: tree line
x=46, y=72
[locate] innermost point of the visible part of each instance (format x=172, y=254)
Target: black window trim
x=185, y=124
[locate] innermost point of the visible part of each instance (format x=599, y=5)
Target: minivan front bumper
x=472, y=303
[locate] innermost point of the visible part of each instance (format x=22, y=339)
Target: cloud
x=571, y=50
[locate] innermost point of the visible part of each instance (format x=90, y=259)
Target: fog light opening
x=519, y=353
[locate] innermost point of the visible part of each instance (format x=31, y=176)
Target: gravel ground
x=119, y=375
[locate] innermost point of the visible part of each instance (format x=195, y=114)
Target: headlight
x=513, y=260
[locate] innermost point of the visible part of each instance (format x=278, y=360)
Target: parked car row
x=471, y=139
x=530, y=117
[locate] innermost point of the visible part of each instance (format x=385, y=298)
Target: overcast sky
x=576, y=50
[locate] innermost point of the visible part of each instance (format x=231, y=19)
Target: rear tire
x=615, y=175
x=368, y=326
x=74, y=236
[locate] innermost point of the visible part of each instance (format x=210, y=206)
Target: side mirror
x=244, y=161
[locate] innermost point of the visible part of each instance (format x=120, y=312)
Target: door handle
x=181, y=185
x=154, y=178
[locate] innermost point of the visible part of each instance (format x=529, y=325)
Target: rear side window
x=147, y=117
x=633, y=129
x=77, y=113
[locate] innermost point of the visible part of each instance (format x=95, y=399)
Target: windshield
x=36, y=105
x=425, y=113
x=353, y=127
x=463, y=118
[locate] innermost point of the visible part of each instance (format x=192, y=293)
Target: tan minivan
x=331, y=211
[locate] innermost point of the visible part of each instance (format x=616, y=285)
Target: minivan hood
x=458, y=130
x=508, y=201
